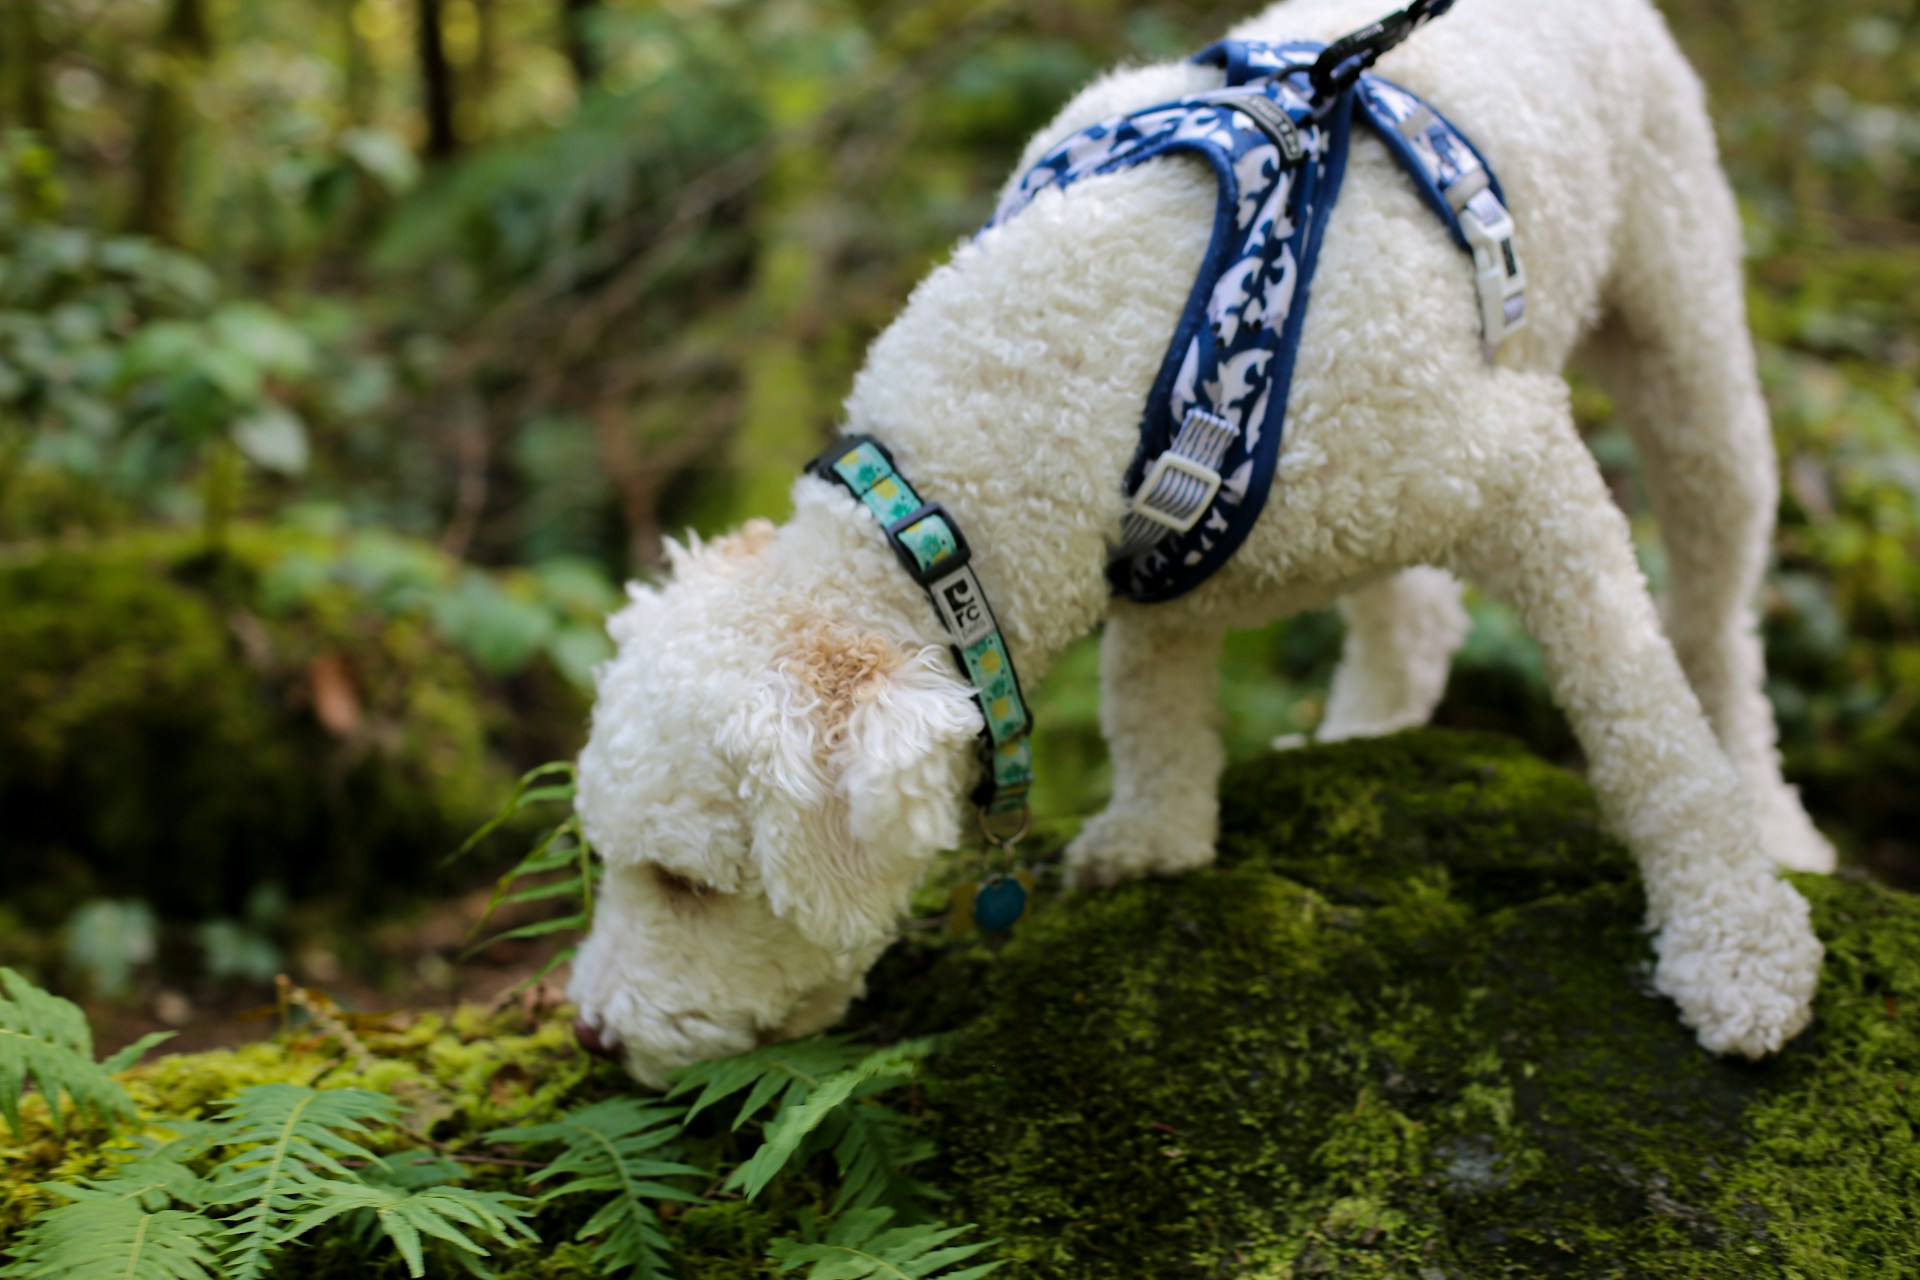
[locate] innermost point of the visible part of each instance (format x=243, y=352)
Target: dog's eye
x=676, y=885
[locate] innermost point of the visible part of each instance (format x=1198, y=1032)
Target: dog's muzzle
x=594, y=1041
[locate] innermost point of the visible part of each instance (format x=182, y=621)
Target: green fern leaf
x=153, y=1182
x=444, y=1213
x=786, y=1072
x=873, y=1149
x=867, y=1149
x=120, y=1227
x=563, y=847
x=46, y=1040
x=617, y=1150
x=109, y=1239
x=860, y=1246
x=286, y=1142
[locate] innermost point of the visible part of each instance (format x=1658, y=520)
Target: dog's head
x=765, y=785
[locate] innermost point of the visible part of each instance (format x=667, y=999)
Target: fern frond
x=873, y=1147
x=285, y=1141
x=526, y=792
x=46, y=1040
x=152, y=1182
x=860, y=1246
x=868, y=1143
x=563, y=847
x=113, y=1238
x=787, y=1072
x=444, y=1213
x=617, y=1150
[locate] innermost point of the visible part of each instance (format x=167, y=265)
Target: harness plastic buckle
x=926, y=570
x=1498, y=275
x=1183, y=508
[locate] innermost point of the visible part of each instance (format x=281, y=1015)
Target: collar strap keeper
x=935, y=554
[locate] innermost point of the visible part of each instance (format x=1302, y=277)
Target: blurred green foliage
x=328, y=713
x=276, y=346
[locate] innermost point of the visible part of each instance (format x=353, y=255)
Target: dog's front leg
x=1736, y=950
x=1159, y=709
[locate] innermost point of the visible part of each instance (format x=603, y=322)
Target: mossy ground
x=163, y=733
x=1404, y=1029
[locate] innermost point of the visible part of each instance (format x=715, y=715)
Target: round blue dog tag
x=999, y=903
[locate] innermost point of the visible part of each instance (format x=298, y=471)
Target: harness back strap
x=1210, y=435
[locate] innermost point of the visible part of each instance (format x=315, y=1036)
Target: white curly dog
x=783, y=742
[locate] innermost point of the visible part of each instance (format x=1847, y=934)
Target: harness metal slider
x=1180, y=506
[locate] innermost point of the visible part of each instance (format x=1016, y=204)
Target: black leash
x=1354, y=52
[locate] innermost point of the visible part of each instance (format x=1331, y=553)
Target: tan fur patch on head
x=750, y=539
x=842, y=667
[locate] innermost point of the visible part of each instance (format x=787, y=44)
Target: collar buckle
x=929, y=544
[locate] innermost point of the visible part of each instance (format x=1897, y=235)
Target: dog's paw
x=1742, y=966
x=1117, y=847
x=1788, y=835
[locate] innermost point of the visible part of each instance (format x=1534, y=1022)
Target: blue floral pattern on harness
x=1210, y=435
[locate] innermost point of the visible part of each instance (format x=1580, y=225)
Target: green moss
x=1404, y=1029
x=159, y=734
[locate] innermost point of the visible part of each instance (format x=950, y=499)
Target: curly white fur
x=782, y=743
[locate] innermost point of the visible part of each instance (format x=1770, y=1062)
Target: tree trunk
x=436, y=83
x=186, y=45
x=484, y=75
x=358, y=65
x=575, y=17
x=25, y=55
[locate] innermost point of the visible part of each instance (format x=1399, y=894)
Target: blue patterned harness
x=1277, y=137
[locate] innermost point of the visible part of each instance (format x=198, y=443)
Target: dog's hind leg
x=1676, y=358
x=1159, y=710
x=1402, y=632
x=1736, y=949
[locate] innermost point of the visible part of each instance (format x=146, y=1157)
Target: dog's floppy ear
x=858, y=749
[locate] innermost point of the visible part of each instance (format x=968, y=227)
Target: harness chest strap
x=930, y=546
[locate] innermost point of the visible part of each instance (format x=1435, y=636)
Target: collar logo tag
x=958, y=599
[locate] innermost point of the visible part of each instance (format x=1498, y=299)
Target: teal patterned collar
x=932, y=549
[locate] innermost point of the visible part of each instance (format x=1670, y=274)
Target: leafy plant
x=562, y=847
x=107, y=939
x=285, y=1176
x=616, y=1149
x=46, y=1041
x=860, y=1245
x=118, y=1228
x=824, y=1088
x=279, y=1163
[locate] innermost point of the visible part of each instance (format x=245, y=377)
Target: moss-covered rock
x=1404, y=1029
x=178, y=726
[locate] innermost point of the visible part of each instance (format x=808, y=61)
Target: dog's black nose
x=593, y=1040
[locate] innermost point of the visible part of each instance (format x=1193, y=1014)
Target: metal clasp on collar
x=1010, y=830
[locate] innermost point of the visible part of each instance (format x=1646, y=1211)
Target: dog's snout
x=593, y=1040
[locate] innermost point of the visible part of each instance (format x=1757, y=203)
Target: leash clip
x=1334, y=72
